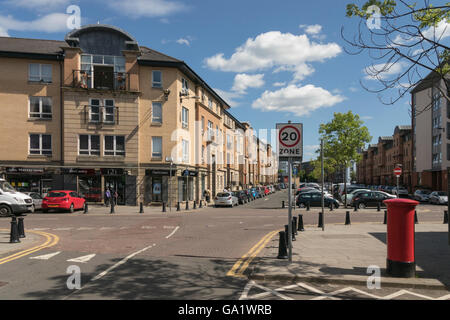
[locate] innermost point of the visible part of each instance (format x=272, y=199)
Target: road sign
x=290, y=141
x=398, y=171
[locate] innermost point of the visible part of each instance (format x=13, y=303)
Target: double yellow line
x=247, y=258
x=50, y=241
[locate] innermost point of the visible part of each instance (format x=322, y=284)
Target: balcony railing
x=94, y=114
x=101, y=80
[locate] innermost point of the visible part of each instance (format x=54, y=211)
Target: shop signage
x=188, y=173
x=157, y=172
x=111, y=172
x=157, y=188
x=78, y=171
x=23, y=170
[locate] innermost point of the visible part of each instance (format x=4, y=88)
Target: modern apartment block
x=98, y=111
x=379, y=160
x=431, y=133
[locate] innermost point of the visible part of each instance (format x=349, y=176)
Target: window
x=114, y=146
x=156, y=79
x=108, y=114
x=203, y=124
x=156, y=147
x=185, y=86
x=40, y=144
x=89, y=145
x=185, y=150
x=210, y=130
x=185, y=118
x=203, y=154
x=95, y=108
x=229, y=142
x=40, y=108
x=210, y=103
x=40, y=72
x=157, y=112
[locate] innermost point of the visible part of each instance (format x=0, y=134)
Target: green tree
x=343, y=137
x=405, y=41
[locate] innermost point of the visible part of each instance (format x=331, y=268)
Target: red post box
x=400, y=237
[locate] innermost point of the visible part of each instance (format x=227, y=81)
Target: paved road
x=200, y=254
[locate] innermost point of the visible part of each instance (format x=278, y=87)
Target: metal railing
x=101, y=80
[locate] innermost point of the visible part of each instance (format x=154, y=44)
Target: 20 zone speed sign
x=290, y=140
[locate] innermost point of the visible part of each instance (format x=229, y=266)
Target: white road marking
x=82, y=259
x=148, y=227
x=46, y=256
x=107, y=228
x=102, y=274
x=62, y=229
x=169, y=227
x=85, y=228
x=175, y=230
x=40, y=229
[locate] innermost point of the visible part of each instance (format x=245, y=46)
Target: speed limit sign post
x=398, y=173
x=290, y=148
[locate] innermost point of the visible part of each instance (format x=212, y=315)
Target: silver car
x=438, y=197
x=37, y=200
x=422, y=195
x=225, y=199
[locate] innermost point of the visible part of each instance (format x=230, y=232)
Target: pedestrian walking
x=116, y=196
x=107, y=197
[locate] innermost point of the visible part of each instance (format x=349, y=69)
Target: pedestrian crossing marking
x=82, y=259
x=46, y=256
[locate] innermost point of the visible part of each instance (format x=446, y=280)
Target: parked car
x=13, y=202
x=388, y=189
x=37, y=200
x=305, y=189
x=63, y=199
x=248, y=193
x=351, y=194
x=402, y=191
x=242, y=196
x=422, y=195
x=438, y=197
x=370, y=199
x=315, y=200
x=225, y=199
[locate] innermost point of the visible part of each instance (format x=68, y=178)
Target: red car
x=63, y=199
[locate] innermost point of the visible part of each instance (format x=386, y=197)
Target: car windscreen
x=56, y=194
x=223, y=195
x=5, y=186
x=425, y=191
x=442, y=193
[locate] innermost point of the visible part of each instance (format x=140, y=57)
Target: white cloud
x=38, y=4
x=53, y=22
x=229, y=97
x=283, y=51
x=279, y=84
x=300, y=101
x=3, y=32
x=383, y=71
x=312, y=29
x=147, y=8
x=183, y=41
x=353, y=89
x=243, y=81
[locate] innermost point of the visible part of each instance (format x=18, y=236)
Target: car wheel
x=44, y=210
x=336, y=206
x=5, y=211
x=71, y=209
x=361, y=205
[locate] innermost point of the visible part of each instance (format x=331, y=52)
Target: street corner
x=33, y=241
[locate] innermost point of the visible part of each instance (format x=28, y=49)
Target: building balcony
x=102, y=79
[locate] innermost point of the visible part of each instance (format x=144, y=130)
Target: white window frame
x=40, y=113
x=102, y=114
x=89, y=150
x=185, y=150
x=210, y=131
x=184, y=86
x=116, y=153
x=113, y=106
x=155, y=154
x=154, y=119
x=40, y=76
x=40, y=150
x=185, y=118
x=156, y=84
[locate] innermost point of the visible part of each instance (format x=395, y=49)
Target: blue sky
x=272, y=61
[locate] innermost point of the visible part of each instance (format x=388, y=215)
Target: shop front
x=157, y=185
x=186, y=185
x=37, y=180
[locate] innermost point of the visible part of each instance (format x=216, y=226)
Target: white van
x=13, y=202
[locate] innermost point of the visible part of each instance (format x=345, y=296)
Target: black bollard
x=347, y=218
x=378, y=206
x=112, y=207
x=86, y=207
x=445, y=217
x=200, y=204
x=14, y=234
x=385, y=217
x=178, y=206
x=293, y=230
x=307, y=206
x=331, y=206
x=195, y=204
x=320, y=224
x=20, y=228
x=141, y=207
x=355, y=207
x=282, y=247
x=416, y=221
x=294, y=220
x=187, y=205
x=286, y=232
x=282, y=204
x=164, y=207
x=300, y=223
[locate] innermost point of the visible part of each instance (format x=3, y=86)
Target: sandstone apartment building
x=98, y=111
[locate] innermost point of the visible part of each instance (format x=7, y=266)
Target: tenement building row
x=99, y=111
x=422, y=148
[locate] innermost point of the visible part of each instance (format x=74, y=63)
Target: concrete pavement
x=343, y=253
